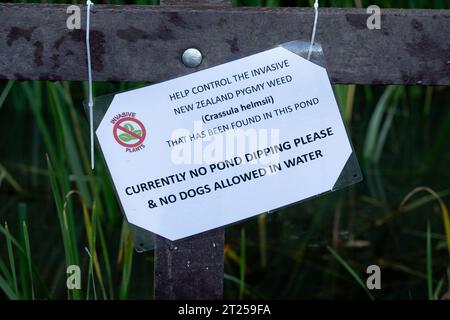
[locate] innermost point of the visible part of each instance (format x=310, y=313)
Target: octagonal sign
x=224, y=144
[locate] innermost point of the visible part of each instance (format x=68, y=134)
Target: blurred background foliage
x=54, y=213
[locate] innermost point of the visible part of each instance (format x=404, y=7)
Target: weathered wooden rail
x=134, y=43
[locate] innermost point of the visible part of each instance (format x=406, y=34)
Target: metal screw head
x=192, y=57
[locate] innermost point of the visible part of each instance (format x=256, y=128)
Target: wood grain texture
x=134, y=43
x=190, y=269
x=194, y=2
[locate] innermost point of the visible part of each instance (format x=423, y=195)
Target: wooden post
x=192, y=268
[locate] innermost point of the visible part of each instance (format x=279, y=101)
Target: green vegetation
x=55, y=213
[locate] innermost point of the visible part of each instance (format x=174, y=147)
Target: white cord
x=313, y=36
x=91, y=100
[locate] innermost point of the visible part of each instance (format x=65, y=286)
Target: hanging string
x=313, y=36
x=91, y=100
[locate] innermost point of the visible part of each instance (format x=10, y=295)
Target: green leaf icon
x=138, y=132
x=129, y=127
x=125, y=137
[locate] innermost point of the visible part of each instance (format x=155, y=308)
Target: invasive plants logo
x=128, y=131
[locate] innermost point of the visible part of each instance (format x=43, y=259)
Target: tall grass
x=56, y=213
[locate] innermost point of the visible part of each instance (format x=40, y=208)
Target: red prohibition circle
x=117, y=126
